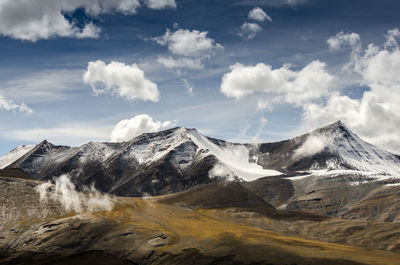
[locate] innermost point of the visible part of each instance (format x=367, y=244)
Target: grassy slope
x=147, y=231
x=214, y=235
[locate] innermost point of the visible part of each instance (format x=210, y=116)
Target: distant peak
x=337, y=125
x=44, y=142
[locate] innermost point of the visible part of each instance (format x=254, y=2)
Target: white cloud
x=160, y=4
x=188, y=42
x=341, y=39
x=127, y=129
x=376, y=115
x=222, y=172
x=32, y=20
x=249, y=31
x=65, y=193
x=126, y=81
x=259, y=15
x=9, y=105
x=182, y=62
x=89, y=31
x=314, y=144
x=297, y=87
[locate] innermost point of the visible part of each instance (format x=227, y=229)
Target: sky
x=74, y=71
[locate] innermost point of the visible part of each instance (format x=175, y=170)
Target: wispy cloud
x=45, y=86
x=67, y=134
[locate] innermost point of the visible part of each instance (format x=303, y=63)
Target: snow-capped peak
x=14, y=155
x=349, y=151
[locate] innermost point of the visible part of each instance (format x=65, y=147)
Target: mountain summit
x=333, y=147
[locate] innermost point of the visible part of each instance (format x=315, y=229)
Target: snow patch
x=14, y=155
x=392, y=185
x=234, y=157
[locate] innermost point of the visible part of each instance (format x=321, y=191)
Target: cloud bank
x=127, y=129
x=32, y=20
x=126, y=81
x=295, y=87
x=376, y=115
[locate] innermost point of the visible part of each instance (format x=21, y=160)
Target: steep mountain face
x=333, y=147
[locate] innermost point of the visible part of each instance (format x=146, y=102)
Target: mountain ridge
x=178, y=158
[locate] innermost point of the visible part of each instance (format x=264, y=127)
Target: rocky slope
x=190, y=227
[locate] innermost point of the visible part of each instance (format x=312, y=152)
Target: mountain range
x=176, y=196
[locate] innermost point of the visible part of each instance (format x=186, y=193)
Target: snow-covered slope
x=349, y=152
x=333, y=149
x=234, y=157
x=14, y=154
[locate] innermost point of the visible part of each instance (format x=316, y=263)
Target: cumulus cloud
x=189, y=48
x=295, y=87
x=259, y=15
x=127, y=129
x=9, y=105
x=64, y=192
x=248, y=31
x=182, y=62
x=32, y=20
x=188, y=42
x=339, y=40
x=375, y=116
x=160, y=4
x=126, y=81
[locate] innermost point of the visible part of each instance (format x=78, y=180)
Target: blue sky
x=269, y=84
